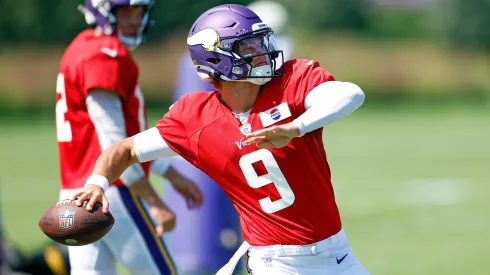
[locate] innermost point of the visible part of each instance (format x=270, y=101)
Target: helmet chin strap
x=130, y=42
x=133, y=42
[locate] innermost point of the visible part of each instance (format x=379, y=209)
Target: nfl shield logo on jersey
x=67, y=220
x=245, y=129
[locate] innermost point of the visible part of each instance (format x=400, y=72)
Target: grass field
x=412, y=186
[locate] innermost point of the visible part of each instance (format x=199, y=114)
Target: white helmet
x=276, y=17
x=272, y=13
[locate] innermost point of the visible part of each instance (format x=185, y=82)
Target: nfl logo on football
x=67, y=220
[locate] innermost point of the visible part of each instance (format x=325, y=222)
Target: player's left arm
x=324, y=101
x=327, y=103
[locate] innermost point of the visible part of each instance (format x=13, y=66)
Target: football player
x=259, y=136
x=205, y=244
x=99, y=102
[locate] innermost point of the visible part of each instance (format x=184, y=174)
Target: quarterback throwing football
x=259, y=136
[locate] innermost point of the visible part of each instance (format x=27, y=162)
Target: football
x=72, y=225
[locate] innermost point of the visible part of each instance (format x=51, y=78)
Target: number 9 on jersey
x=273, y=176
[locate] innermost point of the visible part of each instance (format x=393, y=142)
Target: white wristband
x=300, y=126
x=99, y=181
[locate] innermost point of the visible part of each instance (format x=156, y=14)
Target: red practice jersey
x=284, y=195
x=92, y=62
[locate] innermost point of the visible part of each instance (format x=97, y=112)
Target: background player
x=207, y=247
x=259, y=137
x=50, y=259
x=98, y=103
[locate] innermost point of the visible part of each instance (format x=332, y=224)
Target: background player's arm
x=105, y=85
x=183, y=185
x=191, y=193
x=105, y=111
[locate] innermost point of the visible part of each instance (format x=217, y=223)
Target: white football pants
x=331, y=256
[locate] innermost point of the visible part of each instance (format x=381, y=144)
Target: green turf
x=412, y=186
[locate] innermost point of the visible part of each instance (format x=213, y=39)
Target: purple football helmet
x=230, y=42
x=100, y=14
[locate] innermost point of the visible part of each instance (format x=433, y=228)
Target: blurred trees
x=459, y=22
x=466, y=23
x=58, y=21
x=391, y=70
x=322, y=15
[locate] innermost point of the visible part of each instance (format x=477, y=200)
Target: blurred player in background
x=207, y=247
x=50, y=259
x=99, y=102
x=259, y=136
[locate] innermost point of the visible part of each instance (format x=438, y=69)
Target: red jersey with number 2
x=284, y=195
x=92, y=62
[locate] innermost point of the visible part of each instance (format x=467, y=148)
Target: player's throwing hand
x=93, y=193
x=274, y=137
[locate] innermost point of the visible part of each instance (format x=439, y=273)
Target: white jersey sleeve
x=327, y=103
x=150, y=145
x=105, y=111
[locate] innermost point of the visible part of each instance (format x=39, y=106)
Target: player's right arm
x=168, y=139
x=106, y=113
x=113, y=161
x=106, y=81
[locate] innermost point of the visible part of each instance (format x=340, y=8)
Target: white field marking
x=416, y=192
x=435, y=191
